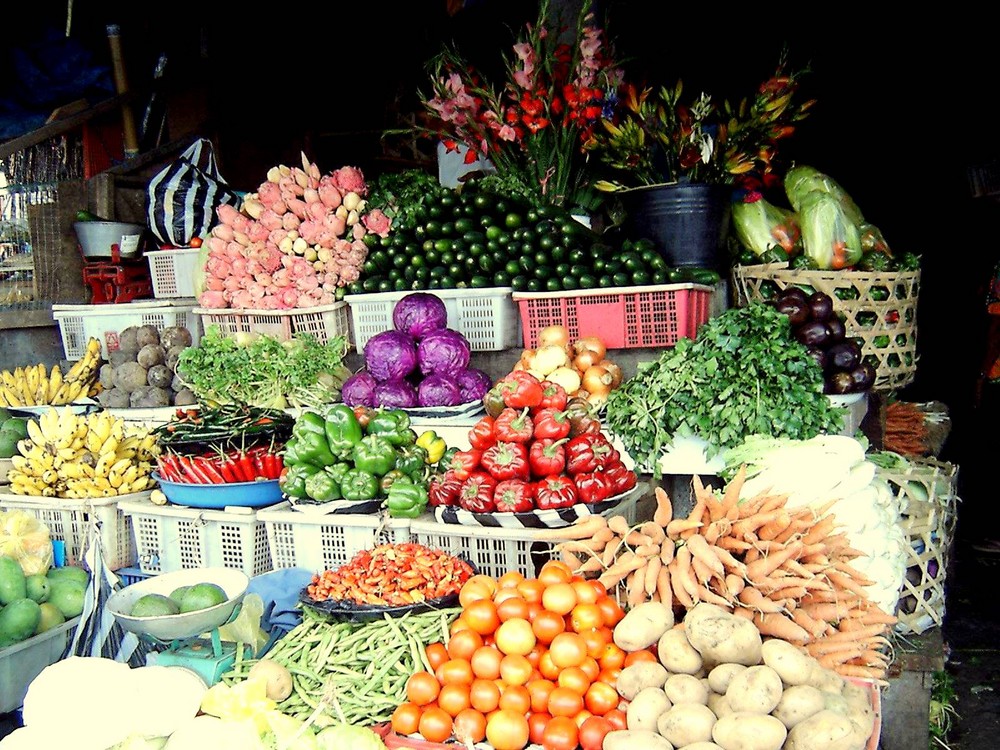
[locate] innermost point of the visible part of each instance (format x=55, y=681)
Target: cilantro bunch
x=743, y=375
x=260, y=370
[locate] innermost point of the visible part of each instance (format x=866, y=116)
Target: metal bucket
x=97, y=237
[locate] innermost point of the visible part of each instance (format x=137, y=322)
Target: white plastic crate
x=321, y=542
x=173, y=272
x=23, y=662
x=79, y=323
x=325, y=322
x=496, y=551
x=488, y=318
x=171, y=537
x=70, y=520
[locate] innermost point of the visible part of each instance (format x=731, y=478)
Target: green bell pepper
x=359, y=485
x=374, y=454
x=293, y=483
x=445, y=461
x=393, y=425
x=312, y=446
x=322, y=487
x=412, y=461
x=392, y=478
x=338, y=470
x=406, y=500
x=290, y=454
x=343, y=431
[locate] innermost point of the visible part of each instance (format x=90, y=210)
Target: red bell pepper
x=589, y=452
x=551, y=424
x=620, y=478
x=483, y=434
x=547, y=457
x=506, y=461
x=555, y=492
x=476, y=493
x=444, y=489
x=464, y=463
x=520, y=390
x=514, y=496
x=554, y=396
x=513, y=426
x=592, y=488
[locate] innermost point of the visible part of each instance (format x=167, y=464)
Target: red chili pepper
x=274, y=465
x=209, y=468
x=483, y=434
x=514, y=496
x=555, y=492
x=229, y=472
x=476, y=494
x=464, y=463
x=444, y=489
x=554, y=396
x=247, y=469
x=547, y=457
x=551, y=424
x=190, y=472
x=167, y=468
x=513, y=426
x=506, y=461
x=520, y=390
x=592, y=488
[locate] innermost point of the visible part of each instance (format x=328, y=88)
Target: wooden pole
x=130, y=134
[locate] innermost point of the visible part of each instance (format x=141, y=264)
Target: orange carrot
x=571, y=560
x=663, y=587
x=680, y=593
x=703, y=551
x=654, y=531
x=705, y=594
x=753, y=599
x=815, y=628
x=733, y=545
x=771, y=529
x=624, y=565
x=619, y=525
x=636, y=594
x=746, y=525
x=734, y=584
x=652, y=573
x=701, y=571
x=780, y=626
x=679, y=525
x=667, y=551
x=664, y=510
x=820, y=530
x=766, y=565
x=731, y=496
x=729, y=562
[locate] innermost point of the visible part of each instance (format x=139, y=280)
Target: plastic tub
x=257, y=494
x=23, y=662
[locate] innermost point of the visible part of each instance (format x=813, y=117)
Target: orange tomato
x=636, y=656
x=586, y=593
x=515, y=698
x=591, y=668
x=555, y=571
x=435, y=724
x=611, y=610
x=469, y=726
x=568, y=650
x=535, y=655
x=478, y=586
x=515, y=637
x=511, y=607
x=559, y=598
x=463, y=644
x=547, y=625
x=561, y=733
x=485, y=662
x=609, y=676
x=547, y=667
x=406, y=718
x=422, y=688
x=601, y=698
x=484, y=695
x=565, y=702
x=458, y=625
x=617, y=718
x=510, y=579
x=536, y=726
x=592, y=732
x=454, y=698
x=611, y=657
x=582, y=717
x=573, y=678
x=481, y=615
x=533, y=609
x=455, y=672
x=437, y=654
x=531, y=590
x=539, y=691
x=503, y=594
x=586, y=617
x=515, y=669
x=195, y=242
x=595, y=640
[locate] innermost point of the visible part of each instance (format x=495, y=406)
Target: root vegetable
x=825, y=730
x=278, y=678
x=159, y=376
x=185, y=397
x=128, y=340
x=119, y=357
x=677, y=654
x=647, y=706
x=748, y=731
x=146, y=335
x=114, y=398
x=627, y=739
x=639, y=676
x=685, y=688
x=173, y=355
x=643, y=625
x=149, y=396
x=107, y=376
x=755, y=690
x=719, y=704
x=791, y=665
x=130, y=376
x=721, y=675
x=687, y=723
x=797, y=704
x=151, y=355
x=172, y=336
x=724, y=638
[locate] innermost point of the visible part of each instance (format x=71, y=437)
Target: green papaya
x=12, y=580
x=18, y=621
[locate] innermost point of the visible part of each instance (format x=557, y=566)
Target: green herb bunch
x=260, y=370
x=743, y=375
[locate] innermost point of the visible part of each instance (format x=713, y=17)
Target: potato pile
x=718, y=684
x=141, y=372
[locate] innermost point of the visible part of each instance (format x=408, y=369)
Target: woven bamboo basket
x=886, y=328
x=927, y=493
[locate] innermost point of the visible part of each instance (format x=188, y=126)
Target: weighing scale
x=190, y=640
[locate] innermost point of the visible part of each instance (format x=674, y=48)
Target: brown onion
x=593, y=344
x=556, y=334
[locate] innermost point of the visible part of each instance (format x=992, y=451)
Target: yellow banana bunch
x=37, y=386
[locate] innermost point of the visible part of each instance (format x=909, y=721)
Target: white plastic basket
x=80, y=323
x=325, y=322
x=495, y=551
x=171, y=537
x=321, y=542
x=173, y=272
x=69, y=521
x=488, y=318
x=23, y=662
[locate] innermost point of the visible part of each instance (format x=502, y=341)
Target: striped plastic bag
x=182, y=198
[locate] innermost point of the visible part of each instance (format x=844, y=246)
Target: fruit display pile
x=183, y=599
x=141, y=372
x=32, y=604
x=37, y=385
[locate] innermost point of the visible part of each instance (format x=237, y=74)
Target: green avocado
x=18, y=621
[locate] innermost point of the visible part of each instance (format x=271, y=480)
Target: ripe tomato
x=478, y=586
x=559, y=598
x=505, y=593
x=611, y=610
x=195, y=242
x=469, y=726
x=547, y=625
x=481, y=615
x=455, y=672
x=609, y=676
x=539, y=691
x=565, y=702
x=454, y=698
x=536, y=726
x=515, y=698
x=547, y=667
x=422, y=688
x=591, y=668
x=617, y=718
x=573, y=678
x=601, y=698
x=515, y=637
x=485, y=662
x=632, y=657
x=585, y=617
x=592, y=732
x=595, y=640
x=535, y=655
x=406, y=718
x=515, y=669
x=555, y=571
x=531, y=590
x=588, y=591
x=513, y=606
x=568, y=650
x=611, y=657
x=510, y=579
x=437, y=654
x=435, y=724
x=463, y=644
x=484, y=695
x=560, y=733
x=582, y=717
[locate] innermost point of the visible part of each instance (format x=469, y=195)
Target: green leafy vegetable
x=260, y=370
x=743, y=375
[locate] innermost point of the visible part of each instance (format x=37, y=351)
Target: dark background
x=904, y=109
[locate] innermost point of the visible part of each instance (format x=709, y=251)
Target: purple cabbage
x=439, y=390
x=396, y=394
x=359, y=389
x=473, y=384
x=420, y=313
x=390, y=355
x=444, y=352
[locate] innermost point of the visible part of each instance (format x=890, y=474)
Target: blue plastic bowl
x=258, y=494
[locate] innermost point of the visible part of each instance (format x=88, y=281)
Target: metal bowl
x=97, y=237
x=188, y=624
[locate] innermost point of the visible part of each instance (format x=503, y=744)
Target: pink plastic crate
x=623, y=318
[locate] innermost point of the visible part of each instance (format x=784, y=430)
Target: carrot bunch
x=787, y=570
x=905, y=429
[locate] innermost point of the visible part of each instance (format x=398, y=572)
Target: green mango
x=67, y=596
x=51, y=617
x=18, y=621
x=69, y=572
x=13, y=584
x=38, y=587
